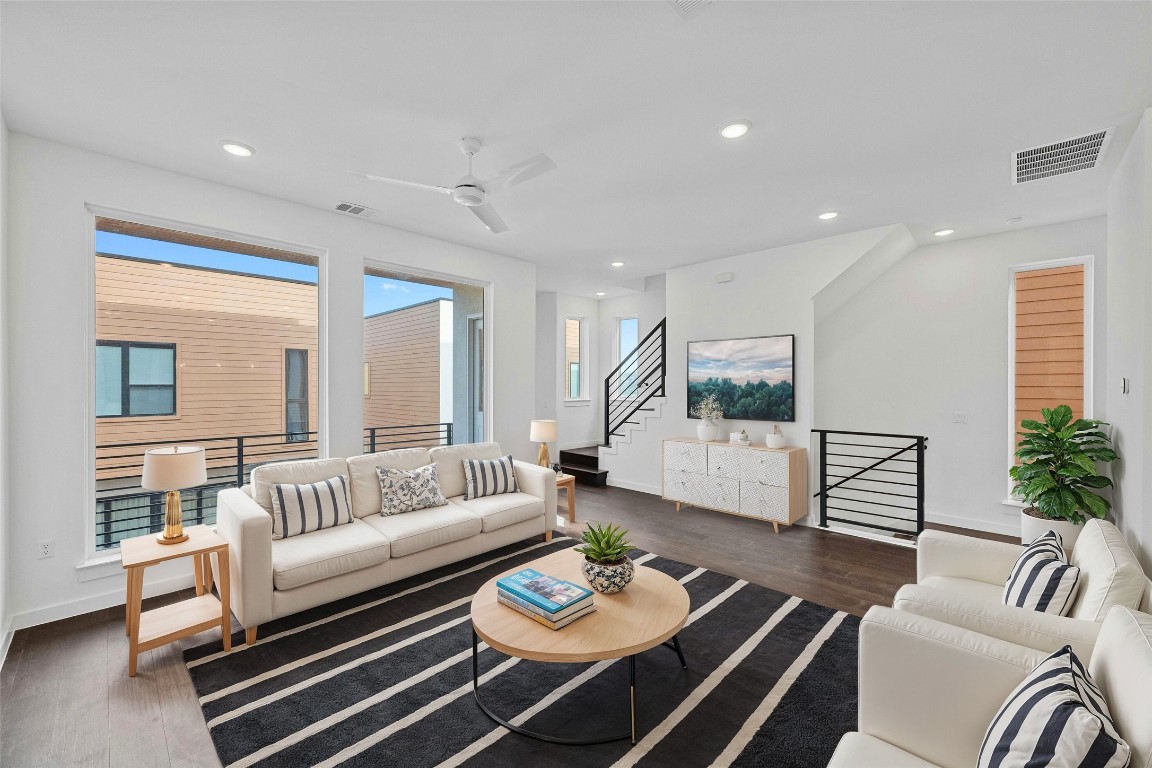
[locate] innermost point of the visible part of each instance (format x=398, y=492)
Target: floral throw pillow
x=407, y=490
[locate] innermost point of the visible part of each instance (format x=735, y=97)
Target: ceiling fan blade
x=519, y=173
x=487, y=214
x=413, y=184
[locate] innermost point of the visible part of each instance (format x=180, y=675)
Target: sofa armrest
x=939, y=553
x=931, y=688
x=1043, y=631
x=539, y=482
x=248, y=530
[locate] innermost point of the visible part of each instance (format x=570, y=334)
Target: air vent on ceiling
x=355, y=209
x=689, y=9
x=1068, y=156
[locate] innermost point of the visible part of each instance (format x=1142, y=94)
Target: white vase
x=1031, y=527
x=706, y=430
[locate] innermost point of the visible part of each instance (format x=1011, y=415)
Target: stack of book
x=553, y=602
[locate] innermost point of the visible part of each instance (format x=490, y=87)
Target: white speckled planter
x=607, y=579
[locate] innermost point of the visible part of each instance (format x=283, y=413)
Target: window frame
x=125, y=347
x=581, y=361
x=1088, y=263
x=618, y=358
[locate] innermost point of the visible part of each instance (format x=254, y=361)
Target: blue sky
x=380, y=294
x=762, y=359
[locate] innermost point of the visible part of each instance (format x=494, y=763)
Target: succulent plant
x=604, y=543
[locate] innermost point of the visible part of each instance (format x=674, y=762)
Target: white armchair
x=960, y=581
x=929, y=690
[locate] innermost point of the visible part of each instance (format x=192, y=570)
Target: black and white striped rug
x=383, y=678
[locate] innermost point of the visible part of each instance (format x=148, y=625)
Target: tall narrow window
x=1052, y=360
x=135, y=378
x=627, y=336
x=296, y=394
x=573, y=358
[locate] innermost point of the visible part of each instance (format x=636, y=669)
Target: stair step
x=586, y=475
x=582, y=457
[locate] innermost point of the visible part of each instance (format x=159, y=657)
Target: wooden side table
x=161, y=626
x=568, y=483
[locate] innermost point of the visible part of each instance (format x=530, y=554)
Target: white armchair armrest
x=248, y=530
x=931, y=688
x=1043, y=631
x=539, y=482
x=939, y=553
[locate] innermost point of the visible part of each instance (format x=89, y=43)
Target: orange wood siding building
x=1049, y=340
x=405, y=365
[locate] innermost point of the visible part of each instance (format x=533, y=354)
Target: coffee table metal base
x=674, y=644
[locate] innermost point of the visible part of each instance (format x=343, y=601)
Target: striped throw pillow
x=298, y=509
x=489, y=477
x=1056, y=717
x=1042, y=579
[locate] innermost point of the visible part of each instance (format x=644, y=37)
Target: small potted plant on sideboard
x=606, y=564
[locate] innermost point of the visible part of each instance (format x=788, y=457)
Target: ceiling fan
x=473, y=193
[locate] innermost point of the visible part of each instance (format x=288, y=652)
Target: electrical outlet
x=959, y=417
x=47, y=548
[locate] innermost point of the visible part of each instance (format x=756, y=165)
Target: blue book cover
x=546, y=592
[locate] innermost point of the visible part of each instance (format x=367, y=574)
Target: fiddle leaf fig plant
x=604, y=544
x=1057, y=474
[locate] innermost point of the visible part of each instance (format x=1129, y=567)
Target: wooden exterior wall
x=402, y=352
x=1049, y=340
x=230, y=333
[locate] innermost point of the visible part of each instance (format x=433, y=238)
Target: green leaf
x=1059, y=417
x=1097, y=481
x=1093, y=504
x=1084, y=462
x=1035, y=426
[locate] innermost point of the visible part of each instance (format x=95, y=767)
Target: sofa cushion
x=489, y=477
x=504, y=509
x=298, y=509
x=1056, y=717
x=450, y=463
x=423, y=529
x=293, y=472
x=967, y=587
x=1042, y=580
x=404, y=490
x=857, y=750
x=366, y=483
x=1122, y=668
x=319, y=555
x=1109, y=572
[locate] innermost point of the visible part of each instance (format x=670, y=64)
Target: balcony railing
x=124, y=509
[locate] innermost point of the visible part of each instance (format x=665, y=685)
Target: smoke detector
x=1055, y=159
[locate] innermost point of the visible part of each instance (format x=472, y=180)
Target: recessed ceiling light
x=828, y=215
x=943, y=232
x=1014, y=220
x=599, y=293
x=617, y=263
x=735, y=130
x=237, y=148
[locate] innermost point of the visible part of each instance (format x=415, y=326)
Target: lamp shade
x=170, y=469
x=543, y=431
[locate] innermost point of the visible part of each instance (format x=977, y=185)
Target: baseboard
x=630, y=486
x=6, y=644
x=988, y=526
x=93, y=603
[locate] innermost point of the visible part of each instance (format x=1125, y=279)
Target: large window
x=135, y=378
x=574, y=373
x=296, y=394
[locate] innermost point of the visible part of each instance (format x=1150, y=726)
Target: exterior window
x=573, y=358
x=627, y=336
x=296, y=395
x=135, y=378
x=1052, y=331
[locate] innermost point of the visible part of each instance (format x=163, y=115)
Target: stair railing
x=872, y=479
x=635, y=381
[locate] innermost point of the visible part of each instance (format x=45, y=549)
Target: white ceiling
x=887, y=112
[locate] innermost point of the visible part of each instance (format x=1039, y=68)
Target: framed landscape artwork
x=751, y=378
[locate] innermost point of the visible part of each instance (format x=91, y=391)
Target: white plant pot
x=1032, y=527
x=774, y=441
x=706, y=430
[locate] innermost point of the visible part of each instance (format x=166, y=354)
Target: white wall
x=931, y=337
x=648, y=307
x=1130, y=337
x=577, y=421
x=770, y=294
x=50, y=314
x=5, y=558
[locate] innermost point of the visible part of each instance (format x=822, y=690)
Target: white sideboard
x=754, y=481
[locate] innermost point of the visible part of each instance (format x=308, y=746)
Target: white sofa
x=273, y=578
x=929, y=690
x=960, y=581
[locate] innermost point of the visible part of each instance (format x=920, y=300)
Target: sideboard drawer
x=767, y=501
x=702, y=490
x=768, y=467
x=686, y=457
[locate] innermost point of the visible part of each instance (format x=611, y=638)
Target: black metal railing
x=874, y=480
x=124, y=509
x=632, y=384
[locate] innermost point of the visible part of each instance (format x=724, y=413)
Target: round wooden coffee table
x=649, y=612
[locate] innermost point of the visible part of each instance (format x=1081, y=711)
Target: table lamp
x=543, y=432
x=170, y=469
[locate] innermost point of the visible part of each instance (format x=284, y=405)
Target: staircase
x=584, y=465
x=634, y=391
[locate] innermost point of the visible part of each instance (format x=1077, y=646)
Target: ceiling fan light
x=469, y=195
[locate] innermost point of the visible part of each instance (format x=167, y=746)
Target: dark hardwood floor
x=66, y=698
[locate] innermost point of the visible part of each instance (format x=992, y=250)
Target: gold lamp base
x=173, y=520
x=542, y=457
